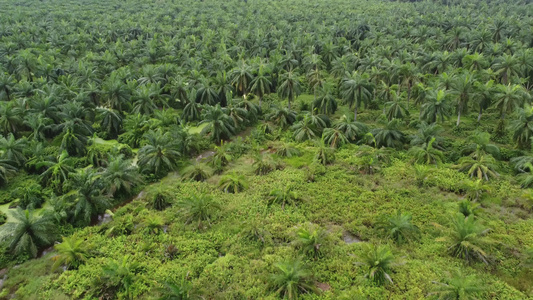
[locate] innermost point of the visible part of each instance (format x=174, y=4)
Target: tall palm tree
x=437, y=105
x=6, y=169
x=241, y=78
x=86, y=195
x=220, y=126
x=462, y=89
x=509, y=97
x=356, y=90
x=12, y=149
x=7, y=83
x=261, y=85
x=27, y=232
x=111, y=121
x=389, y=136
x=206, y=93
x=326, y=103
x=484, y=95
x=121, y=175
x=11, y=118
x=57, y=171
x=289, y=87
x=160, y=154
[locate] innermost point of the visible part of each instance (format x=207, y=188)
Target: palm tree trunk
x=408, y=94
x=458, y=117
x=355, y=113
x=260, y=100
x=479, y=115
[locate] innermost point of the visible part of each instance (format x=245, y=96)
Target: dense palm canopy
x=168, y=99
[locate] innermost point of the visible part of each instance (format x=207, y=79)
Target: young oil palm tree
x=291, y=279
x=283, y=196
x=233, y=183
x=467, y=238
x=379, y=261
x=199, y=208
x=426, y=154
x=399, y=228
x=458, y=287
x=72, y=252
x=483, y=166
x=197, y=172
x=310, y=240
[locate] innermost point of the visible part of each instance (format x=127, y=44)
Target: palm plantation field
x=341, y=149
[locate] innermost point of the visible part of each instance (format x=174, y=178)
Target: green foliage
x=378, y=260
x=197, y=172
x=291, y=279
x=399, y=228
x=27, y=232
x=118, y=277
x=458, y=287
x=199, y=208
x=233, y=183
x=72, y=252
x=160, y=198
x=310, y=239
x=467, y=239
x=283, y=196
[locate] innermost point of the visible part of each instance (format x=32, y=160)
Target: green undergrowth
x=223, y=263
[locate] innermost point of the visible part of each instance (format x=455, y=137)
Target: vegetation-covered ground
x=266, y=149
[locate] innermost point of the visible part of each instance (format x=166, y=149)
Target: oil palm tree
x=120, y=175
x=508, y=98
x=458, y=287
x=241, y=78
x=283, y=196
x=72, y=252
x=282, y=117
x=351, y=129
x=57, y=172
x=399, y=228
x=27, y=232
x=389, y=136
x=426, y=154
x=291, y=279
x=378, y=260
x=521, y=128
x=12, y=149
x=86, y=195
x=289, y=87
x=233, y=183
x=325, y=102
x=356, y=90
x=482, y=166
x=199, y=208
x=436, y=105
x=467, y=238
x=220, y=126
x=160, y=154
